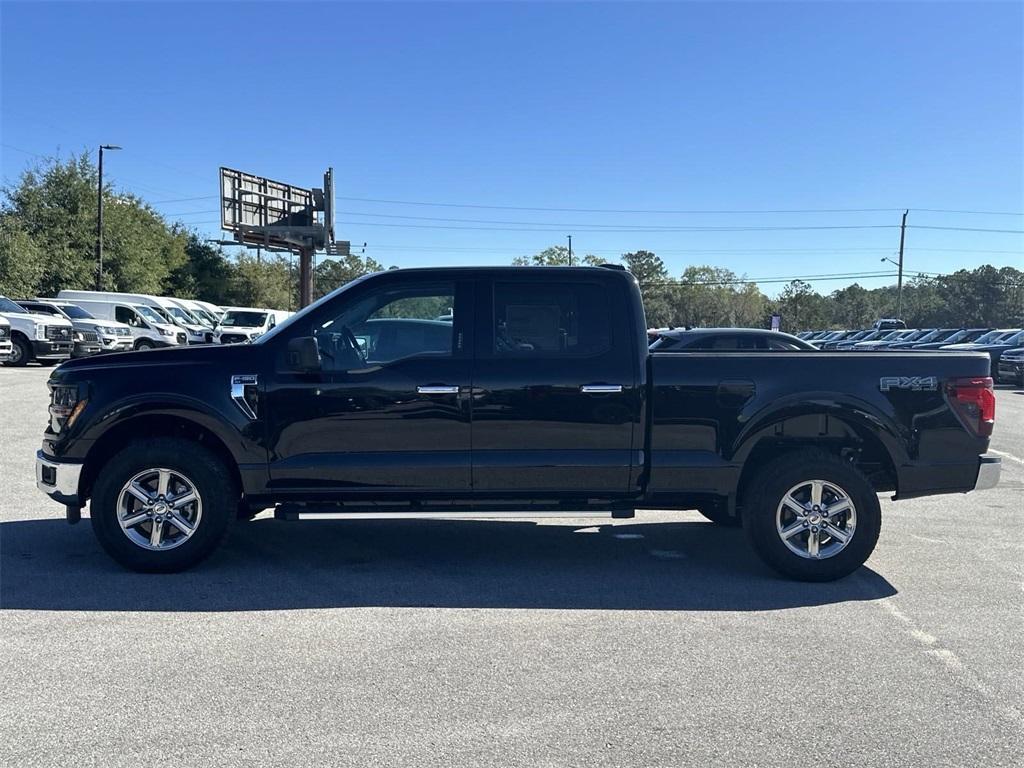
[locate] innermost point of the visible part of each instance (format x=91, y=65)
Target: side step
x=339, y=512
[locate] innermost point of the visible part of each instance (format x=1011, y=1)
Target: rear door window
x=540, y=319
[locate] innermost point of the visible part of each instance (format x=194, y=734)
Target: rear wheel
x=21, y=353
x=812, y=516
x=162, y=505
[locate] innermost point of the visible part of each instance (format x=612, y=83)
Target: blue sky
x=730, y=107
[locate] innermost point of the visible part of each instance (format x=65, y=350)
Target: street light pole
x=570, y=249
x=99, y=219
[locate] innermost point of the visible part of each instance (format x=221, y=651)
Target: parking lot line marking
x=1006, y=455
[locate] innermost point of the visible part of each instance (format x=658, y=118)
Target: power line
x=969, y=229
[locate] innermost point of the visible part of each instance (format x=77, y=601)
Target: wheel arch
x=851, y=434
x=148, y=425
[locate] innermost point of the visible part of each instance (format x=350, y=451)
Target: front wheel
x=163, y=505
x=144, y=344
x=21, y=353
x=812, y=516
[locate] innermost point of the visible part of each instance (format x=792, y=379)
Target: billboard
x=260, y=211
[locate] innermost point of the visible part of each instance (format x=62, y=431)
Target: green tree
x=205, y=273
x=556, y=256
x=54, y=203
x=21, y=264
x=801, y=308
x=265, y=282
x=333, y=273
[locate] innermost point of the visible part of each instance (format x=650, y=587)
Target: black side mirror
x=304, y=354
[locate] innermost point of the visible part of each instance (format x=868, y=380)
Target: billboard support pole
x=306, y=275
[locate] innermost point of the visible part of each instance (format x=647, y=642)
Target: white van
x=149, y=329
x=202, y=315
x=171, y=312
x=242, y=324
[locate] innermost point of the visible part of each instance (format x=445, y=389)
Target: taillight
x=975, y=402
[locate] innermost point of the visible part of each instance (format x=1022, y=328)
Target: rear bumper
x=989, y=468
x=58, y=479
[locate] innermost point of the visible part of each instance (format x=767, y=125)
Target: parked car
x=5, y=339
x=818, y=340
x=848, y=343
x=91, y=335
x=994, y=347
x=728, y=340
x=542, y=396
x=242, y=324
x=149, y=330
x=170, y=312
x=849, y=338
x=880, y=342
x=47, y=340
x=889, y=324
x=1011, y=366
x=934, y=334
x=961, y=336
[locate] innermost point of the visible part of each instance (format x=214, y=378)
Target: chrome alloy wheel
x=816, y=519
x=159, y=509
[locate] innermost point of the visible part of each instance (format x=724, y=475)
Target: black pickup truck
x=490, y=391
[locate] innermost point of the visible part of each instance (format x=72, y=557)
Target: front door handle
x=601, y=389
x=440, y=389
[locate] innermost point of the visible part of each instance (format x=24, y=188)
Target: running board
x=291, y=514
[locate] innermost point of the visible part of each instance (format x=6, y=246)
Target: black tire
x=144, y=344
x=773, y=482
x=717, y=514
x=212, y=482
x=21, y=353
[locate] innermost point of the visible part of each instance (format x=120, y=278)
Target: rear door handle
x=440, y=389
x=601, y=389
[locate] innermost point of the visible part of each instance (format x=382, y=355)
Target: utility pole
x=99, y=219
x=899, y=283
x=570, y=249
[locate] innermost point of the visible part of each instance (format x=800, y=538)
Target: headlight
x=166, y=332
x=67, y=401
x=40, y=331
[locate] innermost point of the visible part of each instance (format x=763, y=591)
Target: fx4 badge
x=913, y=383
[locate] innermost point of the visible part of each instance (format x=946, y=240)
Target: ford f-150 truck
x=492, y=391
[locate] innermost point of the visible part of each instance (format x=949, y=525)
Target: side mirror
x=304, y=354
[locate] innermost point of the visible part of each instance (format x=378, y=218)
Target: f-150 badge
x=913, y=383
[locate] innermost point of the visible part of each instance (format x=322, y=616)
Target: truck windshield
x=75, y=313
x=244, y=319
x=6, y=305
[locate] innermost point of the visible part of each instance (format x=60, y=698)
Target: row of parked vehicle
x=1005, y=346
x=83, y=323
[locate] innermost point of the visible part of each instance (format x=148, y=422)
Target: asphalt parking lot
x=659, y=641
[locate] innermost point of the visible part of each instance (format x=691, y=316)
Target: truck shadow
x=273, y=565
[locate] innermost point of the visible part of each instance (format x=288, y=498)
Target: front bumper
x=5, y=350
x=51, y=350
x=1011, y=369
x=86, y=349
x=117, y=343
x=58, y=479
x=989, y=468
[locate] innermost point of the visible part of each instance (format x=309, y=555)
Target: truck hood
x=195, y=355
